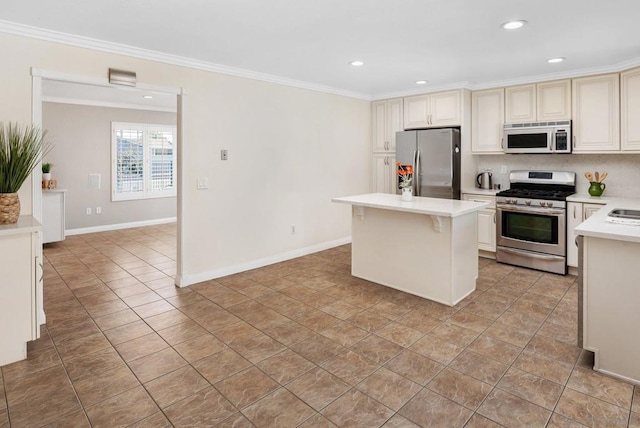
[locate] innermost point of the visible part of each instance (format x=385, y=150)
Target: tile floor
x=300, y=343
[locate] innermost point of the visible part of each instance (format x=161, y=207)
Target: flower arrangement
x=405, y=173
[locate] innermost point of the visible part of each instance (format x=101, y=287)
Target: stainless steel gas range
x=531, y=228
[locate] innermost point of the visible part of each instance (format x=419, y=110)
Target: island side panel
x=611, y=314
x=403, y=251
x=464, y=256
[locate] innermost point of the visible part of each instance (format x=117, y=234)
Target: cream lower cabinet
x=53, y=206
x=19, y=304
x=384, y=173
x=577, y=212
x=486, y=221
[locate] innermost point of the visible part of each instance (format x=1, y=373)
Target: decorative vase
x=9, y=208
x=596, y=188
x=46, y=176
x=407, y=194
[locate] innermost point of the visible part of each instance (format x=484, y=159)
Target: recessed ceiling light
x=556, y=60
x=513, y=25
x=421, y=82
x=357, y=63
x=147, y=97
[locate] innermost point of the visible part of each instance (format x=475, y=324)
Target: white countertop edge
x=588, y=199
x=596, y=226
x=25, y=224
x=419, y=205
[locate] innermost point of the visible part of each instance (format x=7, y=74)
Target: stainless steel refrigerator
x=435, y=157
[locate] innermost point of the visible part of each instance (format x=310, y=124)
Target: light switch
x=203, y=183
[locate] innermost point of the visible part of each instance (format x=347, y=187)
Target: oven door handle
x=530, y=210
x=530, y=254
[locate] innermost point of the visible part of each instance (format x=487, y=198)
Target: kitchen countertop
x=419, y=205
x=25, y=224
x=588, y=199
x=476, y=191
x=596, y=226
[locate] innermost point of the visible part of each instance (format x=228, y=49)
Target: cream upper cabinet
x=554, y=100
x=384, y=173
x=437, y=109
x=520, y=104
x=487, y=120
x=630, y=109
x=542, y=102
x=387, y=120
x=596, y=114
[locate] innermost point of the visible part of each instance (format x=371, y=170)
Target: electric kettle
x=485, y=180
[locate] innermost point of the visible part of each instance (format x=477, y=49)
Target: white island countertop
x=596, y=226
x=419, y=205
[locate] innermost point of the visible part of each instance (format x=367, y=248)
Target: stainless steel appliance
x=485, y=180
x=531, y=228
x=538, y=137
x=435, y=157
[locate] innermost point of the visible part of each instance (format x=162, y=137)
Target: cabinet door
x=444, y=109
x=574, y=218
x=630, y=109
x=487, y=120
x=379, y=119
x=393, y=122
x=487, y=230
x=589, y=209
x=384, y=177
x=520, y=104
x=554, y=100
x=486, y=222
x=416, y=112
x=596, y=113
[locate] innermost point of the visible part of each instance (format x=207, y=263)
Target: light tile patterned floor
x=300, y=343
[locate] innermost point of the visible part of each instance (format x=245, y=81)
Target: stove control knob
x=527, y=202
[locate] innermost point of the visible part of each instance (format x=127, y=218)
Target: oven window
x=528, y=141
x=530, y=227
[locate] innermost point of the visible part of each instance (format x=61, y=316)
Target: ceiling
x=447, y=42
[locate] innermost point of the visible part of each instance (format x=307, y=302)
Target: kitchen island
x=427, y=247
x=609, y=293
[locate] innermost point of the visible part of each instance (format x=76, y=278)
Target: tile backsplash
x=623, y=169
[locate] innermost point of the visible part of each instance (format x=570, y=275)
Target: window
x=144, y=161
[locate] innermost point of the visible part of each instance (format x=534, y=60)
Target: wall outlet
x=503, y=169
x=203, y=183
x=223, y=155
x=98, y=210
x=293, y=229
x=88, y=211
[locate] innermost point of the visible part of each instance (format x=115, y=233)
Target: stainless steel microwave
x=538, y=137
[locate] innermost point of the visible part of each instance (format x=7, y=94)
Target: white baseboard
x=185, y=280
x=118, y=226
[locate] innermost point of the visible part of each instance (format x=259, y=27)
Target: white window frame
x=147, y=192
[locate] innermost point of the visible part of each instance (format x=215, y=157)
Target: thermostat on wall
x=94, y=181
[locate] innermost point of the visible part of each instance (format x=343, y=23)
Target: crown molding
x=115, y=48
x=99, y=103
x=475, y=86
x=120, y=49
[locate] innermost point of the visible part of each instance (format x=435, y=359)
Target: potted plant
x=21, y=149
x=46, y=171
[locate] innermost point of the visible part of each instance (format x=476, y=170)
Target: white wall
x=623, y=169
x=81, y=138
x=290, y=151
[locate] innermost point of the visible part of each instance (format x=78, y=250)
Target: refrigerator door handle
x=416, y=173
